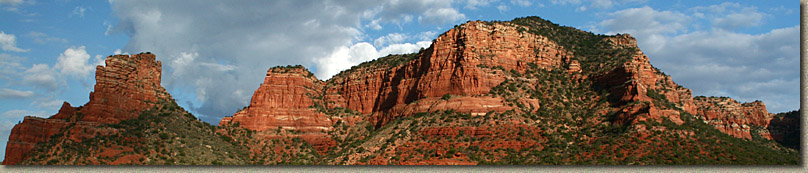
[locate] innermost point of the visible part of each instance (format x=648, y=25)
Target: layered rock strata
x=127, y=85
x=735, y=118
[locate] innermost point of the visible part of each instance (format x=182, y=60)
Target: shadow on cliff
x=785, y=129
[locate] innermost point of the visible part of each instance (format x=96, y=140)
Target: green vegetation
x=446, y=97
x=558, y=118
x=163, y=135
x=385, y=62
x=284, y=69
x=591, y=50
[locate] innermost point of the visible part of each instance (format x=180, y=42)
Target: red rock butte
x=459, y=72
x=450, y=66
x=124, y=87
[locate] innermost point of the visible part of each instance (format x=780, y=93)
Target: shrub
x=164, y=136
x=446, y=96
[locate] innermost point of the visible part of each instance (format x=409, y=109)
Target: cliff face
x=284, y=100
x=637, y=81
x=124, y=87
x=450, y=66
x=453, y=66
x=734, y=118
x=525, y=91
x=478, y=69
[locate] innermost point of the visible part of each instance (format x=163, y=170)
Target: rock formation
x=523, y=91
x=734, y=118
x=124, y=87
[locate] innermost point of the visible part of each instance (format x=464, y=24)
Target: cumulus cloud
x=73, y=61
x=717, y=61
x=441, y=15
x=426, y=35
x=41, y=75
x=6, y=93
x=216, y=49
x=392, y=38
x=345, y=57
x=8, y=42
x=648, y=24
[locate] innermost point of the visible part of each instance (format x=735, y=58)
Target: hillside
x=130, y=119
x=526, y=91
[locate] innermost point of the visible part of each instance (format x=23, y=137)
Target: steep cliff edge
x=130, y=119
x=566, y=85
x=749, y=120
x=526, y=91
x=124, y=87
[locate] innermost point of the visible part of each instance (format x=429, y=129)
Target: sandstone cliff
x=124, y=87
x=742, y=120
x=526, y=91
x=528, y=71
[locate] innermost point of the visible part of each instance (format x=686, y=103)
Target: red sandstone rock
x=455, y=65
x=284, y=100
x=124, y=87
x=635, y=79
x=731, y=117
x=449, y=66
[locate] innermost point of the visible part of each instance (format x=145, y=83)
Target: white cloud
x=392, y=38
x=41, y=75
x=73, y=61
x=441, y=15
x=240, y=41
x=8, y=42
x=523, y=3
x=502, y=8
x=79, y=11
x=594, y=4
x=427, y=11
x=473, y=4
x=99, y=60
x=426, y=35
x=46, y=103
x=345, y=57
x=10, y=66
x=374, y=24
x=647, y=24
x=19, y=114
x=602, y=4
x=42, y=38
x=730, y=15
x=11, y=2
x=566, y=2
x=6, y=93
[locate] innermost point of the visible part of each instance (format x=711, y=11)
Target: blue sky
x=215, y=54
